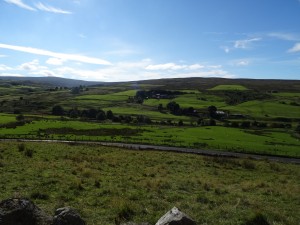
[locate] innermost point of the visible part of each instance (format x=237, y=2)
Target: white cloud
x=11, y=75
x=243, y=63
x=51, y=9
x=34, y=68
x=55, y=61
x=166, y=66
x=244, y=44
x=30, y=66
x=226, y=49
x=130, y=71
x=63, y=56
x=2, y=56
x=196, y=67
x=45, y=72
x=296, y=48
x=4, y=67
x=173, y=66
x=20, y=4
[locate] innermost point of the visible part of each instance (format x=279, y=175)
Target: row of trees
x=175, y=109
x=97, y=114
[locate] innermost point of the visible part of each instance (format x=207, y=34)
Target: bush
x=21, y=147
x=258, y=219
x=248, y=164
x=58, y=110
x=39, y=195
x=245, y=124
x=20, y=117
x=28, y=153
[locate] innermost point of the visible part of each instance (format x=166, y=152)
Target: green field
x=265, y=141
x=7, y=118
x=108, y=184
x=265, y=109
x=198, y=101
x=224, y=87
x=272, y=104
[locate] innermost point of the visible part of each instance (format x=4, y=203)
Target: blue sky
x=123, y=40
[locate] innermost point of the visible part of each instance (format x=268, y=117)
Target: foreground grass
x=111, y=184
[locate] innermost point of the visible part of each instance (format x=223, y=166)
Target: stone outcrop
x=175, y=217
x=18, y=211
x=22, y=212
x=67, y=216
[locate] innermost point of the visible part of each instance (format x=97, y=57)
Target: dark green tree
x=101, y=115
x=109, y=115
x=20, y=117
x=57, y=110
x=212, y=111
x=160, y=107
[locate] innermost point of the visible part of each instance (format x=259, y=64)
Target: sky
x=126, y=40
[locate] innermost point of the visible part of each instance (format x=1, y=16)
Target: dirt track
x=143, y=147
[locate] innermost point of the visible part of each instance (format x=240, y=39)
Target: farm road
x=143, y=147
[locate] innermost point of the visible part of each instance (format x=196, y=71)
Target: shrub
x=39, y=195
x=21, y=147
x=248, y=164
x=202, y=199
x=125, y=213
x=97, y=184
x=20, y=117
x=258, y=219
x=28, y=153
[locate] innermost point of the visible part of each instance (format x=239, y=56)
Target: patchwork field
x=253, y=118
x=267, y=141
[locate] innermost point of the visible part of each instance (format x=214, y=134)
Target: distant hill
x=200, y=83
x=197, y=83
x=51, y=81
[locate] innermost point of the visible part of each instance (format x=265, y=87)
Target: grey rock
x=67, y=216
x=132, y=223
x=175, y=217
x=18, y=211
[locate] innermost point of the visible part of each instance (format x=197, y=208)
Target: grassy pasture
x=197, y=100
x=273, y=142
x=7, y=118
x=287, y=94
x=265, y=108
x=111, y=184
x=229, y=87
x=147, y=111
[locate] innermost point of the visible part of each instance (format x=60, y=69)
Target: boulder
x=132, y=223
x=18, y=211
x=67, y=216
x=175, y=217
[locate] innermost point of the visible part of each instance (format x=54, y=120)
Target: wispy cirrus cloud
x=51, y=9
x=61, y=56
x=20, y=4
x=285, y=36
x=240, y=62
x=38, y=6
x=295, y=48
x=244, y=44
